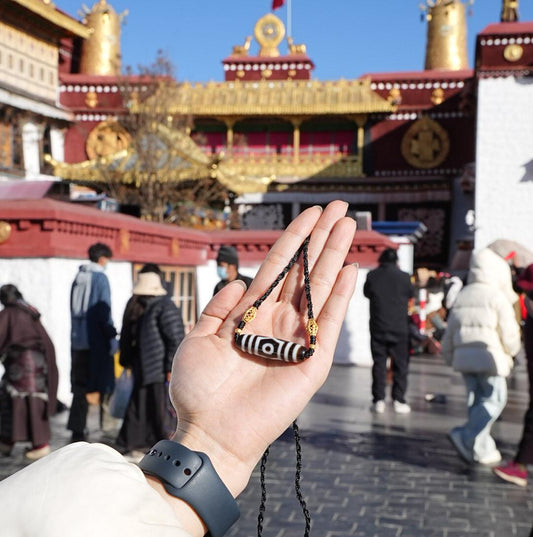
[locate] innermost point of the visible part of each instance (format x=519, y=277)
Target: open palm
x=232, y=404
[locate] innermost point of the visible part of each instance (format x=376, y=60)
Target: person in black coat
x=389, y=290
x=152, y=330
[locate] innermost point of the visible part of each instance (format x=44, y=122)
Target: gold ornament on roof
x=91, y=99
x=242, y=50
x=437, y=96
x=395, y=96
x=107, y=138
x=425, y=144
x=5, y=231
x=513, y=52
x=100, y=54
x=509, y=11
x=296, y=49
x=269, y=31
x=446, y=34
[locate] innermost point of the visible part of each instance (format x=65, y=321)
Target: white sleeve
x=84, y=490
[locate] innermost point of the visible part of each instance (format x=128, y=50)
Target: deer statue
x=242, y=50
x=296, y=49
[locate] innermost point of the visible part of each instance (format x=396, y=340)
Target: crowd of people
x=477, y=325
x=152, y=329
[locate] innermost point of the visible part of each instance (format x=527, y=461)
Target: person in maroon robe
x=28, y=390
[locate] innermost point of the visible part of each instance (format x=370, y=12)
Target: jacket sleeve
x=447, y=339
x=172, y=331
x=103, y=306
x=508, y=328
x=4, y=331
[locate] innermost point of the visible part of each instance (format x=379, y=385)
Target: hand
x=232, y=405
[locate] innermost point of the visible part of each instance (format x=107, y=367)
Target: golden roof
x=47, y=10
x=183, y=160
x=262, y=98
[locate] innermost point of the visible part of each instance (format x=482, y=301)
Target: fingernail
x=319, y=207
x=241, y=283
x=356, y=264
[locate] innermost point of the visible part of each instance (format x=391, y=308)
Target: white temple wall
x=504, y=161
x=45, y=283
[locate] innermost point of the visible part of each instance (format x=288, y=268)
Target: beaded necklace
x=286, y=351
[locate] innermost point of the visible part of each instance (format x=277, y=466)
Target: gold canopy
x=266, y=98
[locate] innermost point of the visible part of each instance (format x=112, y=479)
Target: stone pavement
x=389, y=475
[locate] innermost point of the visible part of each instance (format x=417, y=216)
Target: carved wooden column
x=229, y=134
x=360, y=120
x=296, y=140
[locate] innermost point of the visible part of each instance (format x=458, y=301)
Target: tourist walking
x=152, y=329
x=28, y=388
x=389, y=290
x=480, y=341
x=516, y=471
x=92, y=339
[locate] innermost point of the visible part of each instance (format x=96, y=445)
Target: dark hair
x=9, y=294
x=388, y=255
x=151, y=267
x=98, y=250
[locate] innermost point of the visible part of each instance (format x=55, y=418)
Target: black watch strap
x=190, y=476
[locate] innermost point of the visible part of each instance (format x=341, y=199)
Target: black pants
x=525, y=449
x=147, y=418
x=398, y=351
x=79, y=378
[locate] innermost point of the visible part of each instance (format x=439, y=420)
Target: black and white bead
x=271, y=347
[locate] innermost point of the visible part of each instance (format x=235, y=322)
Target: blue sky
x=344, y=38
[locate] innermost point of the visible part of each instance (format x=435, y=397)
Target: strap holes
x=176, y=462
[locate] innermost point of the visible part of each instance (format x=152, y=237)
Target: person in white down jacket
x=480, y=341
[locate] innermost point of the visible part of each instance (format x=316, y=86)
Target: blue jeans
x=486, y=399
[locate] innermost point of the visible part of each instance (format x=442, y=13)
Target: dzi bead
x=271, y=347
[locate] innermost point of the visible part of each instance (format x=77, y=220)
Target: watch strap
x=190, y=476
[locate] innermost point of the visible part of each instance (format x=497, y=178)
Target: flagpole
x=289, y=18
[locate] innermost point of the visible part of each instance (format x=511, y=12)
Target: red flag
x=277, y=3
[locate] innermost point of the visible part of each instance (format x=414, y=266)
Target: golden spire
x=446, y=35
x=100, y=53
x=509, y=11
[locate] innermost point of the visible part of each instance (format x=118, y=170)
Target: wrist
x=191, y=485
x=233, y=470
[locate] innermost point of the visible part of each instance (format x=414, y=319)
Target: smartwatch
x=190, y=476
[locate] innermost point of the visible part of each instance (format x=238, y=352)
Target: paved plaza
x=367, y=475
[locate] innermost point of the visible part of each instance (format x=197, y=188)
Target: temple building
x=32, y=120
x=400, y=146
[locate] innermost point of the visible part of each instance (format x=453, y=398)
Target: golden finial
x=509, y=11
x=100, y=53
x=446, y=35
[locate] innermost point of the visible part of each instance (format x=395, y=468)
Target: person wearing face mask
x=228, y=268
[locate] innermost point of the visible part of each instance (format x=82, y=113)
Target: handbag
x=121, y=394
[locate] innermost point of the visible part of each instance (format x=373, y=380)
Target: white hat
x=149, y=283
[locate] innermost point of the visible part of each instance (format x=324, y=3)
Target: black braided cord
x=297, y=485
x=296, y=432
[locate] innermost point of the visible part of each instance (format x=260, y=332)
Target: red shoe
x=512, y=472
